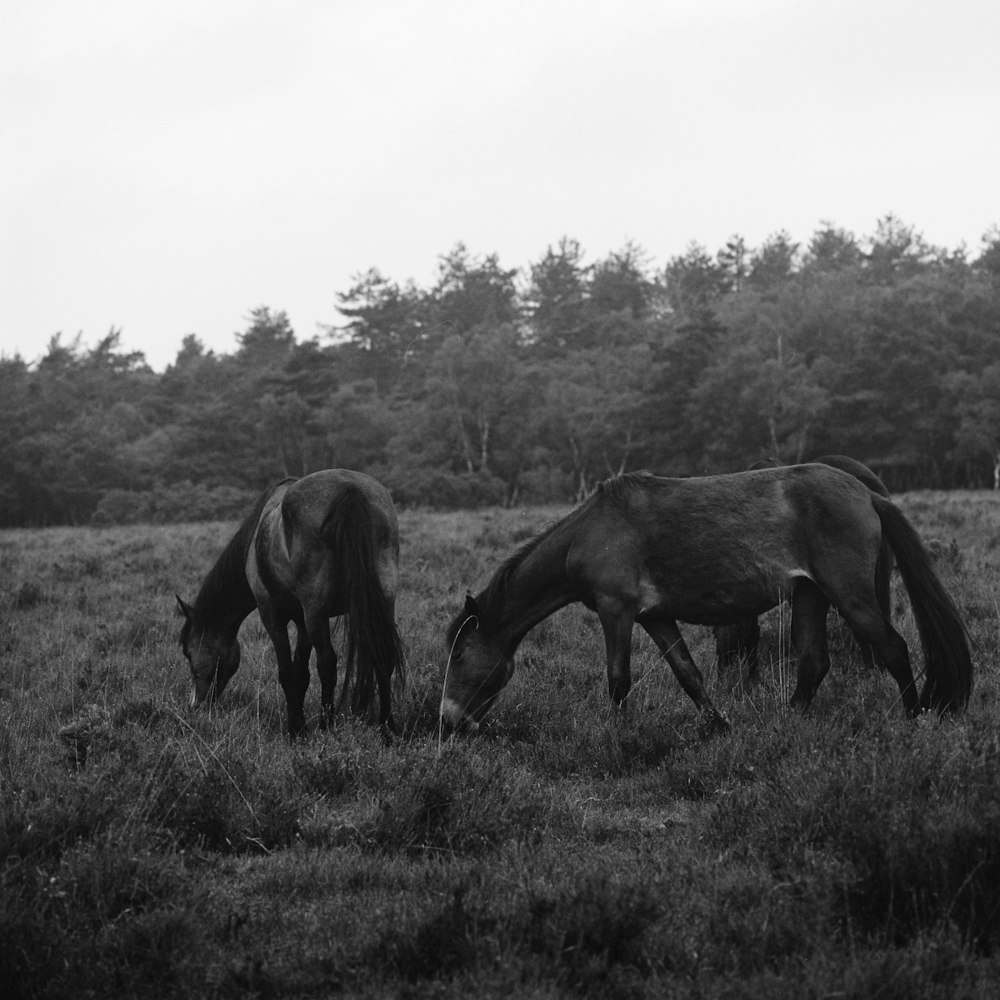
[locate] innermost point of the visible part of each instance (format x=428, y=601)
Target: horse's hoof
x=714, y=724
x=799, y=703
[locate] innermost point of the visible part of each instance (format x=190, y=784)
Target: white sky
x=168, y=165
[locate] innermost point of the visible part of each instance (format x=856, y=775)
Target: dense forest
x=529, y=385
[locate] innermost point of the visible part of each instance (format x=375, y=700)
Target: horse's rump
x=859, y=470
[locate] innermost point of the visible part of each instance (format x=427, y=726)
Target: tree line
x=498, y=385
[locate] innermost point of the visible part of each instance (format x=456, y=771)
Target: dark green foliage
x=485, y=389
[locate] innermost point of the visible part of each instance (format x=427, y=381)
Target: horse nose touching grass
x=454, y=720
x=202, y=695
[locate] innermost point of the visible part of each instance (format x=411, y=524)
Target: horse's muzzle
x=202, y=695
x=455, y=718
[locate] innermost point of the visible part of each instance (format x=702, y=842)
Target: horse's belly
x=711, y=601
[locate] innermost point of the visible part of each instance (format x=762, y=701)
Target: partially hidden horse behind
x=710, y=551
x=737, y=643
x=311, y=549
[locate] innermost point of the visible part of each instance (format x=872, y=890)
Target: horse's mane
x=495, y=592
x=620, y=488
x=224, y=588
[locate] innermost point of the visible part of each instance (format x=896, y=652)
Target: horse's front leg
x=668, y=638
x=617, y=625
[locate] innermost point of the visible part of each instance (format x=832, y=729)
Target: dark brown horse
x=737, y=642
x=311, y=549
x=712, y=550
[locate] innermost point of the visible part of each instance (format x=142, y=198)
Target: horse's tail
x=374, y=648
x=945, y=641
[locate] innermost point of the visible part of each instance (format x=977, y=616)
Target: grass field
x=149, y=851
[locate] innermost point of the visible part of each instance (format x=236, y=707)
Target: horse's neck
x=537, y=588
x=225, y=598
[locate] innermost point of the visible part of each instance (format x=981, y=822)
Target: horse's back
x=742, y=503
x=843, y=462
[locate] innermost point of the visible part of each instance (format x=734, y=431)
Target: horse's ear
x=185, y=609
x=471, y=608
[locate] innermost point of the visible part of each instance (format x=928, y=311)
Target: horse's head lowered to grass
x=479, y=667
x=213, y=655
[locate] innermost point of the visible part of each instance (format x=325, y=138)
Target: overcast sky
x=166, y=166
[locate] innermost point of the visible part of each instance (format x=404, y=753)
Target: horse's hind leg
x=883, y=576
x=300, y=667
x=871, y=625
x=809, y=608
x=293, y=673
x=317, y=627
x=866, y=652
x=737, y=643
x=668, y=638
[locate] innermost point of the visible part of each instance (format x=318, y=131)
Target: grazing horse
x=311, y=549
x=737, y=641
x=708, y=551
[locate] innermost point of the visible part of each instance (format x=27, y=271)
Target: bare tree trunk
x=772, y=427
x=624, y=457
x=484, y=444
x=470, y=465
x=579, y=472
x=801, y=450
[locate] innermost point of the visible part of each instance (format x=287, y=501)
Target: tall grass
x=149, y=851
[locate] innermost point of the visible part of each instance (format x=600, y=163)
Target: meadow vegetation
x=149, y=851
